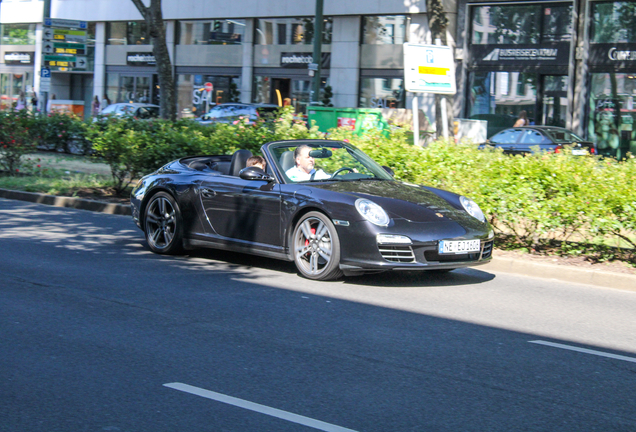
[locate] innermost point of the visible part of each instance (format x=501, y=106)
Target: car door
x=246, y=211
x=507, y=140
x=531, y=139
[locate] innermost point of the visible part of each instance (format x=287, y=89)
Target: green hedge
x=556, y=201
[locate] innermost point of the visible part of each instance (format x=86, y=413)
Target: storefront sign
x=613, y=54
x=533, y=55
x=18, y=58
x=141, y=59
x=300, y=60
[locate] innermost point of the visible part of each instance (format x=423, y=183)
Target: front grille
x=398, y=254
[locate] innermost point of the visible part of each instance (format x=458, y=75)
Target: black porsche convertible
x=325, y=205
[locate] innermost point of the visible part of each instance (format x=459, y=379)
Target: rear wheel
x=163, y=224
x=316, y=247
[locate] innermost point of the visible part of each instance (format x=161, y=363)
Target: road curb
x=59, y=201
x=563, y=273
x=505, y=265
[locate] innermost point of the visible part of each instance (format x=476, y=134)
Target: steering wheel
x=339, y=170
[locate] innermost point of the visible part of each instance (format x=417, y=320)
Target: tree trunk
x=438, y=23
x=167, y=91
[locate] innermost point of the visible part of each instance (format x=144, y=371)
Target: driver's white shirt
x=299, y=174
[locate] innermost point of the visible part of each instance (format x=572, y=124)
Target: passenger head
x=257, y=161
x=302, y=158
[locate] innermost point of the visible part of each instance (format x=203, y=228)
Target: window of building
x=491, y=98
x=286, y=91
x=381, y=93
x=18, y=34
x=127, y=33
x=385, y=30
x=11, y=85
x=211, y=32
x=193, y=100
x=612, y=115
x=521, y=24
x=613, y=22
x=302, y=31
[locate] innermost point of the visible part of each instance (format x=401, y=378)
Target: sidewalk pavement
x=529, y=268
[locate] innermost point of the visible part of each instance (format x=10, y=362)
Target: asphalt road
x=99, y=334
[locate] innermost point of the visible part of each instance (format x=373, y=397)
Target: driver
x=304, y=169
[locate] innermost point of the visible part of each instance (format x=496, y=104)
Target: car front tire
x=316, y=247
x=163, y=224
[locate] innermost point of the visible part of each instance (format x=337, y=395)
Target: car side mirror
x=251, y=173
x=389, y=170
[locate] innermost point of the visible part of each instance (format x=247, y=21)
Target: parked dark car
x=231, y=112
x=529, y=139
x=138, y=110
x=351, y=218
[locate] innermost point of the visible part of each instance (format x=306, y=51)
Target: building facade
x=566, y=63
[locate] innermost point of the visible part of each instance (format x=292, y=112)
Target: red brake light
x=558, y=149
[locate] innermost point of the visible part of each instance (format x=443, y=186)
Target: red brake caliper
x=313, y=231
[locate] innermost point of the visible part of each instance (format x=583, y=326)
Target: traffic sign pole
x=46, y=13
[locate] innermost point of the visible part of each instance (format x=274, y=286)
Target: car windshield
x=562, y=135
x=328, y=161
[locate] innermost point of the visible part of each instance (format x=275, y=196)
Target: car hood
x=402, y=200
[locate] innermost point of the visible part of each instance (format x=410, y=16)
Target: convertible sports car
x=347, y=216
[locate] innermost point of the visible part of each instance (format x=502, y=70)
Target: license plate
x=459, y=246
x=579, y=152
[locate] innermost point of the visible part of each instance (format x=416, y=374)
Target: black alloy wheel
x=316, y=247
x=163, y=224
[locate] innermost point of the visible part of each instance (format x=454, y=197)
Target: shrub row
x=536, y=201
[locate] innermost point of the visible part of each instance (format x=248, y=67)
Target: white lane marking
x=294, y=418
x=585, y=350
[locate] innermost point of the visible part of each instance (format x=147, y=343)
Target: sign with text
x=429, y=69
x=300, y=60
x=63, y=48
x=64, y=63
x=140, y=59
x=58, y=22
x=18, y=58
x=63, y=35
x=553, y=53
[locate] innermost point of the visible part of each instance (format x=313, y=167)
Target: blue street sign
x=45, y=72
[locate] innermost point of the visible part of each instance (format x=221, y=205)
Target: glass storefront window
x=290, y=31
x=499, y=97
x=211, y=32
x=127, y=33
x=613, y=22
x=194, y=101
x=385, y=30
x=381, y=93
x=612, y=113
x=18, y=34
x=521, y=24
x=287, y=91
x=11, y=84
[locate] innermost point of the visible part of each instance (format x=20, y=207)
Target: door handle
x=208, y=193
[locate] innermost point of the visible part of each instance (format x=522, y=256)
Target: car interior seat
x=287, y=160
x=239, y=160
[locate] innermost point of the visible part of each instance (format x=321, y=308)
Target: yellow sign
x=433, y=70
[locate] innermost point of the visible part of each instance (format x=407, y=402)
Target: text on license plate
x=459, y=246
x=579, y=152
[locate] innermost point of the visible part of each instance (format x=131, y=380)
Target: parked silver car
x=231, y=112
x=138, y=110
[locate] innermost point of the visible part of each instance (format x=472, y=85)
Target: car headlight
x=372, y=212
x=472, y=208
